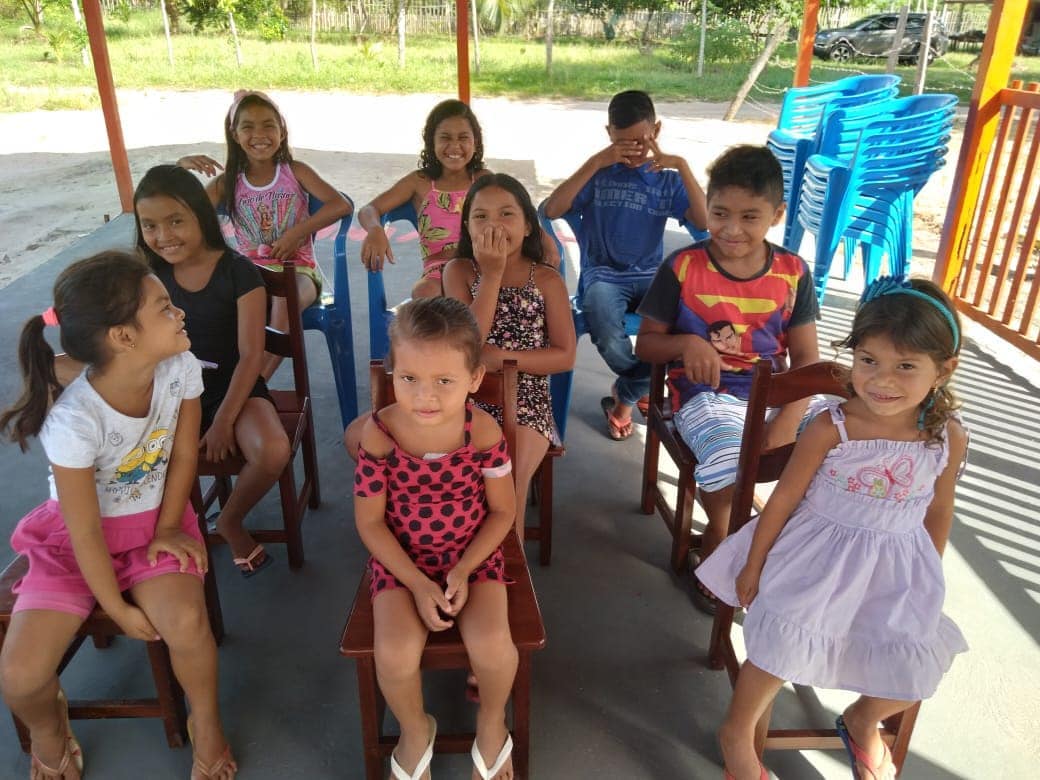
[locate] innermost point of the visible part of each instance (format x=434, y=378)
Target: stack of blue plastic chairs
x=868, y=198
x=796, y=136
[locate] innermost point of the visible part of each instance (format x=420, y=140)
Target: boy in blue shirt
x=624, y=194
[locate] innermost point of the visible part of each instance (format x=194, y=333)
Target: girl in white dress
x=841, y=573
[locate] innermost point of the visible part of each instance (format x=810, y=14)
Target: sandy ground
x=56, y=181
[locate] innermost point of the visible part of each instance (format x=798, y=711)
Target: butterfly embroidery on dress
x=881, y=480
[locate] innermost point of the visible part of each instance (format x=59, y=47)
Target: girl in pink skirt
x=122, y=441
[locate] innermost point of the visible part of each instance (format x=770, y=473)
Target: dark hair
x=429, y=165
x=720, y=325
x=90, y=296
x=441, y=319
x=914, y=325
x=236, y=156
x=752, y=168
x=532, y=246
x=628, y=108
x=175, y=182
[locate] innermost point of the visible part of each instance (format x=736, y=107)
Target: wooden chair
x=294, y=410
x=661, y=431
x=444, y=649
x=167, y=704
x=756, y=466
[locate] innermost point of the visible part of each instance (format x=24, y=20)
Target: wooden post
x=1006, y=20
x=462, y=47
x=805, y=43
x=922, y=55
x=109, y=106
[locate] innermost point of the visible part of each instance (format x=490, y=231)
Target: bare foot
x=411, y=747
x=239, y=540
x=738, y=755
x=211, y=755
x=867, y=738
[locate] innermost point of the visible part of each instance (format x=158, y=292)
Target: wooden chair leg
x=682, y=523
x=310, y=466
x=903, y=726
x=169, y=693
x=651, y=456
x=522, y=717
x=545, y=512
x=371, y=722
x=291, y=512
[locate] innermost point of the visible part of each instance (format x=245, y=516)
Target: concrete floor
x=622, y=690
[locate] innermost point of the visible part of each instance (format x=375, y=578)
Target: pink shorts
x=54, y=581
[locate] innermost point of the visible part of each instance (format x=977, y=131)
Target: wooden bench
x=167, y=704
x=444, y=650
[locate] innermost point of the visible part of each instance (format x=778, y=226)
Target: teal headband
x=900, y=285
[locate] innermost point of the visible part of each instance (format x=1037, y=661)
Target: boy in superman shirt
x=734, y=289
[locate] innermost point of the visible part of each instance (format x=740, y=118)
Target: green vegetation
x=46, y=72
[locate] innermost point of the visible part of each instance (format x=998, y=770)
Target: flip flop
x=703, y=598
x=248, y=568
x=200, y=770
x=503, y=756
x=858, y=756
x=424, y=761
x=70, y=739
x=72, y=755
x=617, y=430
x=763, y=776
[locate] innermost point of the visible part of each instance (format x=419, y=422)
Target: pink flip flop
x=858, y=756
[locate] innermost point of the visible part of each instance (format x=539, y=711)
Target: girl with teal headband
x=841, y=573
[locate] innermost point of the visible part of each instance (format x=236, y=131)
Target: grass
x=37, y=77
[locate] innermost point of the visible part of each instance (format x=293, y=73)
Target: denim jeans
x=605, y=305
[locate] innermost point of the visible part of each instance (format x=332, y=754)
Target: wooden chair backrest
x=769, y=390
x=497, y=388
x=282, y=284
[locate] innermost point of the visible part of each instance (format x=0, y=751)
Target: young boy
x=721, y=305
x=625, y=193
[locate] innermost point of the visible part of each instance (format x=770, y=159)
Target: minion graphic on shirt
x=141, y=461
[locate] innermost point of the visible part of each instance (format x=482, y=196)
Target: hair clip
x=50, y=317
x=900, y=285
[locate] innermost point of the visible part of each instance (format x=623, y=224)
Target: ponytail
x=41, y=387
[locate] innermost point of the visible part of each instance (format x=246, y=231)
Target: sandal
x=398, y=773
x=703, y=599
x=486, y=773
x=248, y=566
x=859, y=757
x=617, y=429
x=72, y=757
x=200, y=770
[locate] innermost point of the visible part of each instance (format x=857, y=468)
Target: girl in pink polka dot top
x=433, y=500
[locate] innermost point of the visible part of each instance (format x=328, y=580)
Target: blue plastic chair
x=379, y=314
x=332, y=317
x=561, y=385
x=796, y=136
x=869, y=198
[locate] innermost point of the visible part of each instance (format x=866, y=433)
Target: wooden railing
x=997, y=281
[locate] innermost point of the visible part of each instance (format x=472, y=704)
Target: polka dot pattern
x=433, y=507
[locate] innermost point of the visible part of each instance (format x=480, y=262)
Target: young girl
x=122, y=441
x=264, y=193
x=451, y=160
x=223, y=297
x=521, y=306
x=841, y=574
x=433, y=499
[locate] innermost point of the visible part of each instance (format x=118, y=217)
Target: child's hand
x=701, y=362
x=624, y=152
x=287, y=243
x=201, y=163
x=428, y=597
x=659, y=160
x=747, y=584
x=457, y=590
x=135, y=624
x=219, y=441
x=181, y=546
x=490, y=251
x=375, y=250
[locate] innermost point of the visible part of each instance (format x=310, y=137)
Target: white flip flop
x=424, y=762
x=503, y=756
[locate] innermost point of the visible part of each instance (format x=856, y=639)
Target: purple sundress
x=852, y=590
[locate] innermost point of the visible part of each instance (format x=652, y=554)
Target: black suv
x=874, y=36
